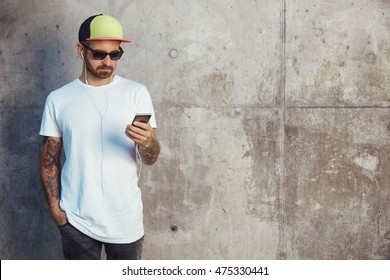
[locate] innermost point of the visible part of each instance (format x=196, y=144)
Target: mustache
x=105, y=68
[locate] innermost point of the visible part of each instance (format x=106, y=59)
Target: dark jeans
x=78, y=246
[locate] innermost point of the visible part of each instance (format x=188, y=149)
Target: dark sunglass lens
x=99, y=55
x=115, y=55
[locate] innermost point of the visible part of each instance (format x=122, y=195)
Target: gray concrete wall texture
x=273, y=116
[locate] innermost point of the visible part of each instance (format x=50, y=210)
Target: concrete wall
x=273, y=116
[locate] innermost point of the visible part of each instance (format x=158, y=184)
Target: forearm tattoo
x=150, y=154
x=51, y=168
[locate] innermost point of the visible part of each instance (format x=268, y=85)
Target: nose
x=107, y=60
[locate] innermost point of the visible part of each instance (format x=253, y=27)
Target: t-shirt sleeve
x=49, y=126
x=145, y=105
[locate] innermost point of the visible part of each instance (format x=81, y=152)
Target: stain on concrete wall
x=273, y=116
x=338, y=193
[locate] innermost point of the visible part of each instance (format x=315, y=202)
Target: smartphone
x=144, y=118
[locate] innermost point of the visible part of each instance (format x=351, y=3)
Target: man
x=94, y=198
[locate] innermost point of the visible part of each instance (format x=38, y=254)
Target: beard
x=101, y=72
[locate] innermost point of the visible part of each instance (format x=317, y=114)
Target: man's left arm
x=146, y=138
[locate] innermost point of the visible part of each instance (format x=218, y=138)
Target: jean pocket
x=63, y=226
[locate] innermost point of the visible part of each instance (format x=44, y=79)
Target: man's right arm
x=50, y=170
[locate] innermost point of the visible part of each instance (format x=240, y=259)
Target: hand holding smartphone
x=141, y=135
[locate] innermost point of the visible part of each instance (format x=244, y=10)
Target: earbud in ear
x=82, y=56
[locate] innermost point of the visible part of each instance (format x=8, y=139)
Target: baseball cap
x=101, y=27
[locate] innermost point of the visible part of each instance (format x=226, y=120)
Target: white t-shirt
x=99, y=180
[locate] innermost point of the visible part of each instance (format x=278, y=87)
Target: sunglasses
x=100, y=55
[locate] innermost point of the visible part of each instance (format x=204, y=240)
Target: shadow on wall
x=27, y=231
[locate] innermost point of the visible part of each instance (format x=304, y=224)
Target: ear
x=80, y=50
